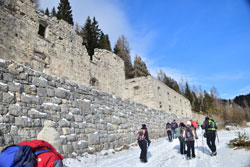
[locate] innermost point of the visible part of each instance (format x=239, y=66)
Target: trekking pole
x=202, y=143
x=217, y=137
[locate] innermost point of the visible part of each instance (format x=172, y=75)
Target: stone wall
x=86, y=119
x=199, y=117
x=57, y=49
x=155, y=94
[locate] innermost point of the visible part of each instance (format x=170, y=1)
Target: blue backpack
x=17, y=156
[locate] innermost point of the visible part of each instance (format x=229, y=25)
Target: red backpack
x=46, y=154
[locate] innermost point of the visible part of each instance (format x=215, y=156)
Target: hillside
x=243, y=100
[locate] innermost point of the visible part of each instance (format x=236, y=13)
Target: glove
x=149, y=143
x=196, y=138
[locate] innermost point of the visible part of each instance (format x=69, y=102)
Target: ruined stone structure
x=57, y=81
x=155, y=94
x=52, y=46
x=87, y=120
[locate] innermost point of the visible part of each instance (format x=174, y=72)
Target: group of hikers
x=186, y=133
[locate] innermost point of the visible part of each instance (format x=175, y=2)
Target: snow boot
x=214, y=153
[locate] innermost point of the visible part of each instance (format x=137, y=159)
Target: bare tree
x=37, y=4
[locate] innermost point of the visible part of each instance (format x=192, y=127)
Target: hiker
x=210, y=133
x=143, y=142
x=181, y=128
x=174, y=126
x=189, y=133
x=198, y=125
x=193, y=124
x=169, y=131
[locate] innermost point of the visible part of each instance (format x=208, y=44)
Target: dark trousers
x=190, y=147
x=169, y=135
x=182, y=145
x=173, y=133
x=211, y=141
x=143, y=147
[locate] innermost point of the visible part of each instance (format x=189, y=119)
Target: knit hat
x=188, y=123
x=144, y=126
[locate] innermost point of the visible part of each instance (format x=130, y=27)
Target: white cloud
x=174, y=73
x=245, y=89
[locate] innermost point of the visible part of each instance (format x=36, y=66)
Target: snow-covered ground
x=162, y=153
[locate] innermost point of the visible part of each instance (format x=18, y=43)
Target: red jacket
x=50, y=158
x=194, y=124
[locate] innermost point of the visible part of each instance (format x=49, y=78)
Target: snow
x=2, y=83
x=43, y=79
x=63, y=89
x=50, y=104
x=162, y=153
x=33, y=110
x=11, y=93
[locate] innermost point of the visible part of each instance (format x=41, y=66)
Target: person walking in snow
x=169, y=131
x=189, y=134
x=210, y=133
x=174, y=126
x=143, y=142
x=181, y=128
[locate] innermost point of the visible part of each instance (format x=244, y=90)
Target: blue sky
x=206, y=43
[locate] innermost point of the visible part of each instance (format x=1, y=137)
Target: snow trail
x=163, y=153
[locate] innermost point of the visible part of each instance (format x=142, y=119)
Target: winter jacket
x=194, y=124
x=174, y=125
x=168, y=127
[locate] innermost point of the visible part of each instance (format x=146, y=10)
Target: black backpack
x=211, y=125
x=189, y=134
x=141, y=136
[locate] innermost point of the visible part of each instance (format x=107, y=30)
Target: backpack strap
x=42, y=151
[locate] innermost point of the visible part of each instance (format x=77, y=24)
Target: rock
x=93, y=139
x=49, y=134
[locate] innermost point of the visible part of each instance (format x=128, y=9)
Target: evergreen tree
x=91, y=35
x=104, y=42
x=207, y=102
x=65, y=12
x=47, y=12
x=188, y=93
x=53, y=13
x=123, y=51
x=140, y=68
x=168, y=81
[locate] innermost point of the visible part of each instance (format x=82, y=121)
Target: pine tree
x=188, y=93
x=207, y=102
x=47, y=12
x=53, y=13
x=140, y=68
x=168, y=81
x=91, y=35
x=104, y=42
x=65, y=12
x=123, y=51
